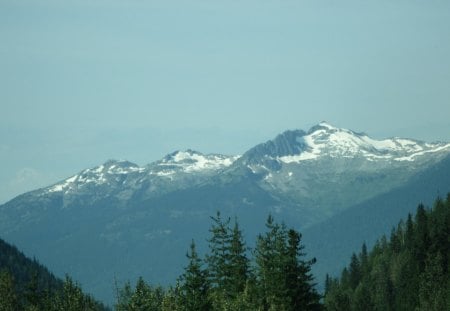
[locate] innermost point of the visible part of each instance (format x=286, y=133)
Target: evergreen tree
x=421, y=238
x=354, y=272
x=194, y=284
x=284, y=278
x=72, y=298
x=219, y=258
x=299, y=279
x=144, y=298
x=269, y=252
x=239, y=263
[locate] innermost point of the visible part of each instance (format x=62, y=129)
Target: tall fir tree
x=219, y=257
x=239, y=263
x=194, y=284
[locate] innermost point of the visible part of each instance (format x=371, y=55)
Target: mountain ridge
x=111, y=216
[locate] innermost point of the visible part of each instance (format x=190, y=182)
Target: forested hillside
x=27, y=285
x=407, y=271
x=275, y=277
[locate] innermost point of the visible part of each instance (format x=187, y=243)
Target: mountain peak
x=329, y=128
x=181, y=156
x=325, y=124
x=325, y=140
x=191, y=161
x=328, y=141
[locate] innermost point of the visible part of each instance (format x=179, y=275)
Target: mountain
x=120, y=220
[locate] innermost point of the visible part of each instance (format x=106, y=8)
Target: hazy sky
x=86, y=81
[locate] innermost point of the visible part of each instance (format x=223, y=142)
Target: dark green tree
x=354, y=272
x=271, y=256
x=239, y=263
x=284, y=278
x=194, y=284
x=218, y=259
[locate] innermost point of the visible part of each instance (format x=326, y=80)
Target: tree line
x=274, y=276
x=407, y=271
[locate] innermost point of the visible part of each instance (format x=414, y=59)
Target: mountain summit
x=325, y=140
x=122, y=219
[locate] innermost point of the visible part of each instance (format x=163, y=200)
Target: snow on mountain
x=325, y=140
x=113, y=172
x=99, y=175
x=190, y=161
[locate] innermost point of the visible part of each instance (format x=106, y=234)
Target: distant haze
x=85, y=81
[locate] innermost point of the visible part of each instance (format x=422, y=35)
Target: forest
x=27, y=285
x=409, y=270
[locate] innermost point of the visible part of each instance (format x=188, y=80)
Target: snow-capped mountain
x=319, y=169
x=322, y=142
x=123, y=179
x=325, y=141
x=111, y=219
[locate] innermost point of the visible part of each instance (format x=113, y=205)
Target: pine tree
x=71, y=298
x=219, y=258
x=228, y=264
x=141, y=299
x=354, y=272
x=194, y=284
x=270, y=257
x=284, y=279
x=299, y=279
x=239, y=263
x=421, y=238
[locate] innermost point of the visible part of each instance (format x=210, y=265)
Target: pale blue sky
x=85, y=81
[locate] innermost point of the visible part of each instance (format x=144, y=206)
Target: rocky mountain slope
x=123, y=220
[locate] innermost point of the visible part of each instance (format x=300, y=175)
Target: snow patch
x=63, y=185
x=189, y=161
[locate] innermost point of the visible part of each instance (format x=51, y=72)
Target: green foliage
x=280, y=278
x=410, y=272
